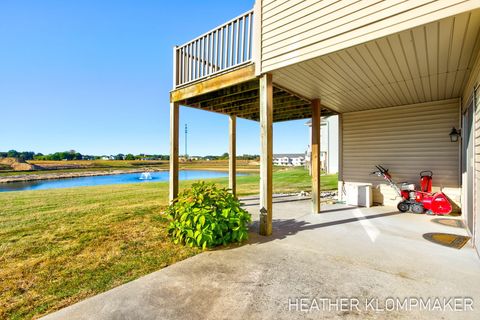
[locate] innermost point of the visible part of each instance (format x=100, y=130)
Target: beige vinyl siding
x=294, y=31
x=406, y=140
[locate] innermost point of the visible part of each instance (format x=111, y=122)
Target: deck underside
x=239, y=96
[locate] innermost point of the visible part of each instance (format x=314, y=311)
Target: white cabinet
x=357, y=194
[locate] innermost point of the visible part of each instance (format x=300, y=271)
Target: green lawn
x=60, y=246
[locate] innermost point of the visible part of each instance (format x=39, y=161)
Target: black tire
x=403, y=206
x=417, y=208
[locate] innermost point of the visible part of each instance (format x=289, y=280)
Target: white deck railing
x=223, y=48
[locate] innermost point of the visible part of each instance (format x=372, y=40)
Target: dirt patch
x=19, y=164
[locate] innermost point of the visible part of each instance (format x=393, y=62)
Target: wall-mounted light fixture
x=454, y=134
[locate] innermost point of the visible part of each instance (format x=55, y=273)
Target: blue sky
x=95, y=76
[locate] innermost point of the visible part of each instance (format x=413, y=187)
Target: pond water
x=110, y=179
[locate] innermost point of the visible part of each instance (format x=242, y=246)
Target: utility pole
x=186, y=132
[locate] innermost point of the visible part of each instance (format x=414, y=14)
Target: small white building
x=323, y=159
x=328, y=143
x=293, y=160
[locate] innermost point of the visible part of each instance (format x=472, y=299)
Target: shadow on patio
x=287, y=227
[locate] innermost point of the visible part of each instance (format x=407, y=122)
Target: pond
x=109, y=179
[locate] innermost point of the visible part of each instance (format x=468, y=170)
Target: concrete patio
x=344, y=252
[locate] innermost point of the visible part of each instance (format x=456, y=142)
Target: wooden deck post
x=232, y=155
x=174, y=115
x=315, y=157
x=266, y=153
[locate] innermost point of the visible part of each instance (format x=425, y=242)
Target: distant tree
x=119, y=156
x=78, y=156
x=39, y=156
x=248, y=157
x=12, y=154
x=67, y=155
x=26, y=155
x=129, y=157
x=57, y=156
x=224, y=156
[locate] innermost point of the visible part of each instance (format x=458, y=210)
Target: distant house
x=294, y=159
x=329, y=143
x=108, y=157
x=323, y=160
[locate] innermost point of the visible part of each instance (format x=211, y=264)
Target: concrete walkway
x=362, y=255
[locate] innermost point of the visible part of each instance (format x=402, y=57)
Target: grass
x=60, y=246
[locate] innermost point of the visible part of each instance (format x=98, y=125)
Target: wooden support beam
x=299, y=116
x=290, y=108
x=244, y=107
x=266, y=153
x=284, y=89
x=315, y=157
x=174, y=117
x=223, y=100
x=242, y=101
x=232, y=155
x=225, y=93
x=225, y=80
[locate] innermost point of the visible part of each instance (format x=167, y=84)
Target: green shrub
x=207, y=216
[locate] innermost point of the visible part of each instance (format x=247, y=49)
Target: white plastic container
x=357, y=194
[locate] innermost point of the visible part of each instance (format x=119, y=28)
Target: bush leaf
x=206, y=216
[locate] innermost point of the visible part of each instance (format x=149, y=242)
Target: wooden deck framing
x=241, y=94
x=237, y=93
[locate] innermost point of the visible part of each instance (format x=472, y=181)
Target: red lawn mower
x=423, y=201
